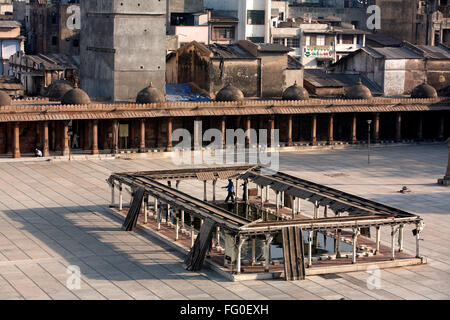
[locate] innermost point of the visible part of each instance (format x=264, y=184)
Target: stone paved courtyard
x=55, y=214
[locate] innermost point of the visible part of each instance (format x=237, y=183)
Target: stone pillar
x=376, y=128
x=331, y=129
x=66, y=150
x=46, y=148
x=218, y=238
x=354, y=122
x=182, y=220
x=115, y=137
x=205, y=197
x=393, y=232
x=378, y=239
x=267, y=252
x=95, y=137
x=113, y=200
x=253, y=250
x=314, y=130
x=248, y=127
x=271, y=136
x=420, y=129
x=239, y=251
x=398, y=127
x=120, y=197
x=355, y=239
x=197, y=134
x=290, y=130
x=223, y=128
x=446, y=180
x=310, y=236
x=16, y=145
x=169, y=134
x=142, y=136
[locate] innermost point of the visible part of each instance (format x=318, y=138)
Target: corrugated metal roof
x=231, y=51
x=396, y=53
x=435, y=52
x=320, y=79
x=191, y=109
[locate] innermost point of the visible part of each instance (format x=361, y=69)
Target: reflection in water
x=322, y=244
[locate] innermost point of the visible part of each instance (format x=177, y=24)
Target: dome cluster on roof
x=358, y=91
x=75, y=96
x=58, y=89
x=229, y=93
x=424, y=90
x=5, y=99
x=150, y=94
x=295, y=92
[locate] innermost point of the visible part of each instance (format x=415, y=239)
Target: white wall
x=394, y=77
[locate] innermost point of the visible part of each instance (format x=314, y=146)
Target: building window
x=54, y=41
x=307, y=40
x=347, y=39
x=54, y=19
x=255, y=16
x=223, y=33
x=320, y=40
x=278, y=41
x=293, y=42
x=256, y=39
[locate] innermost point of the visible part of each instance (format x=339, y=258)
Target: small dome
x=295, y=92
x=358, y=91
x=58, y=89
x=150, y=95
x=229, y=93
x=424, y=90
x=5, y=99
x=75, y=96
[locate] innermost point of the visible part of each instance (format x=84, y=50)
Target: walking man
x=230, y=189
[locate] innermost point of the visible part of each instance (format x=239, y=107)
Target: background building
x=122, y=47
x=50, y=26
x=10, y=42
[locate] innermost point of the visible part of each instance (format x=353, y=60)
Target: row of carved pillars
x=89, y=131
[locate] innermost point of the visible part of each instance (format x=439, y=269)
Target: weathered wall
x=291, y=76
x=194, y=68
x=398, y=19
x=363, y=63
x=438, y=73
x=122, y=47
x=243, y=74
x=272, y=74
x=179, y=6
x=348, y=15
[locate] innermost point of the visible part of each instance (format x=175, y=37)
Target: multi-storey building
x=122, y=47
x=50, y=26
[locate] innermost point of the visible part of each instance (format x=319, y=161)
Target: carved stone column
x=16, y=144
x=46, y=151
x=314, y=130
x=95, y=137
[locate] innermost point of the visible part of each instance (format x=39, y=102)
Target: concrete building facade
x=257, y=70
x=398, y=70
x=122, y=47
x=50, y=27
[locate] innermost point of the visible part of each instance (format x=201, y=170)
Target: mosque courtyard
x=55, y=214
